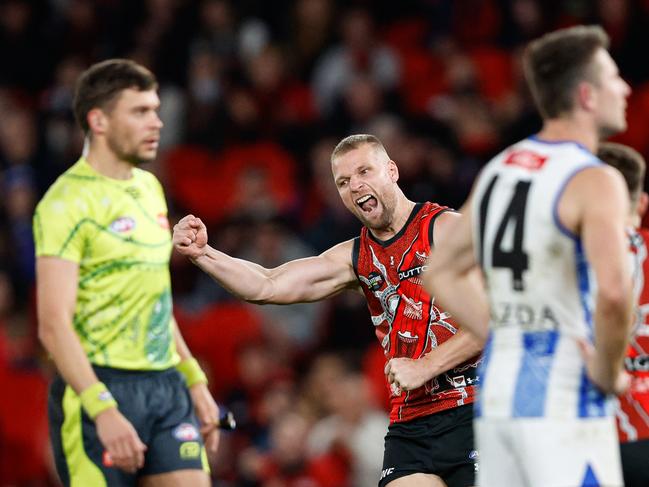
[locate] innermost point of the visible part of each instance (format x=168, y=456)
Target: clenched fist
x=190, y=237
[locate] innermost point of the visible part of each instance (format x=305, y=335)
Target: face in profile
x=611, y=94
x=133, y=126
x=366, y=179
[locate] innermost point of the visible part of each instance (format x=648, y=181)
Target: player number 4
x=516, y=258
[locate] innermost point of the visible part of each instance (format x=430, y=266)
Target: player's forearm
x=60, y=340
x=613, y=316
x=457, y=349
x=181, y=346
x=245, y=280
x=461, y=296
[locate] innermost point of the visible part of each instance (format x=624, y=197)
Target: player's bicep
x=453, y=241
x=602, y=226
x=56, y=288
x=314, y=278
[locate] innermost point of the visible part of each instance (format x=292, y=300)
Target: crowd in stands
x=255, y=94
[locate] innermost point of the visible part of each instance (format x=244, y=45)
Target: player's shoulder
x=148, y=179
x=69, y=186
x=533, y=153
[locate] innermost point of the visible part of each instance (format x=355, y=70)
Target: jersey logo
x=386, y=472
x=459, y=381
x=107, y=460
x=374, y=281
x=590, y=480
x=526, y=159
x=185, y=432
x=123, y=224
x=163, y=221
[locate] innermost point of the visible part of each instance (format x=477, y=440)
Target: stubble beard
x=124, y=154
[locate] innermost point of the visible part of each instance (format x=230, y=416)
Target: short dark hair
x=355, y=141
x=557, y=62
x=629, y=162
x=99, y=85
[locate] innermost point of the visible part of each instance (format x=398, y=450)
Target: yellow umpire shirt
x=118, y=233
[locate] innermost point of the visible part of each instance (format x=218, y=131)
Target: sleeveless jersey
x=632, y=412
x=539, y=286
x=118, y=233
x=406, y=320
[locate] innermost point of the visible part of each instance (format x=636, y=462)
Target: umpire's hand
x=123, y=445
x=207, y=412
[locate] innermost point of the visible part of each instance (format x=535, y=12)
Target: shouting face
x=366, y=179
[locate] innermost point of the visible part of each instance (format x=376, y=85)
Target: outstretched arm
x=413, y=373
x=302, y=280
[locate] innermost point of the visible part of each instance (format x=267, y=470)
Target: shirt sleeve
x=60, y=225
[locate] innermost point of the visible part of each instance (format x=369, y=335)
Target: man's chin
x=611, y=130
x=139, y=159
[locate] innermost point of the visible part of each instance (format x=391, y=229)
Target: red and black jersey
x=406, y=320
x=633, y=410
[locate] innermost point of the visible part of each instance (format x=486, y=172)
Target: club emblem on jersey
x=122, y=224
x=374, y=281
x=406, y=343
x=413, y=309
x=421, y=257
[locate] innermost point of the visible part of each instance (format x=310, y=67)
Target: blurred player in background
x=431, y=364
x=633, y=408
x=543, y=217
x=121, y=413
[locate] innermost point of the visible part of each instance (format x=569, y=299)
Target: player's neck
x=105, y=162
x=401, y=214
x=570, y=129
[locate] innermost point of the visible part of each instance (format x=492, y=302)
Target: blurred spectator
x=359, y=53
x=354, y=426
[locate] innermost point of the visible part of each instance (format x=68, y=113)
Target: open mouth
x=367, y=203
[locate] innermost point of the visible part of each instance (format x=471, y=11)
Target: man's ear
x=586, y=96
x=393, y=170
x=97, y=121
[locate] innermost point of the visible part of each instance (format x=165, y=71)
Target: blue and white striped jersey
x=539, y=286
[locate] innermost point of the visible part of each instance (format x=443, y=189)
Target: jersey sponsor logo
x=412, y=272
x=123, y=224
x=524, y=316
x=387, y=471
x=637, y=364
x=163, y=221
x=526, y=159
x=185, y=432
x=189, y=450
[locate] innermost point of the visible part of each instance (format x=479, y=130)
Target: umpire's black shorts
x=441, y=444
x=158, y=405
